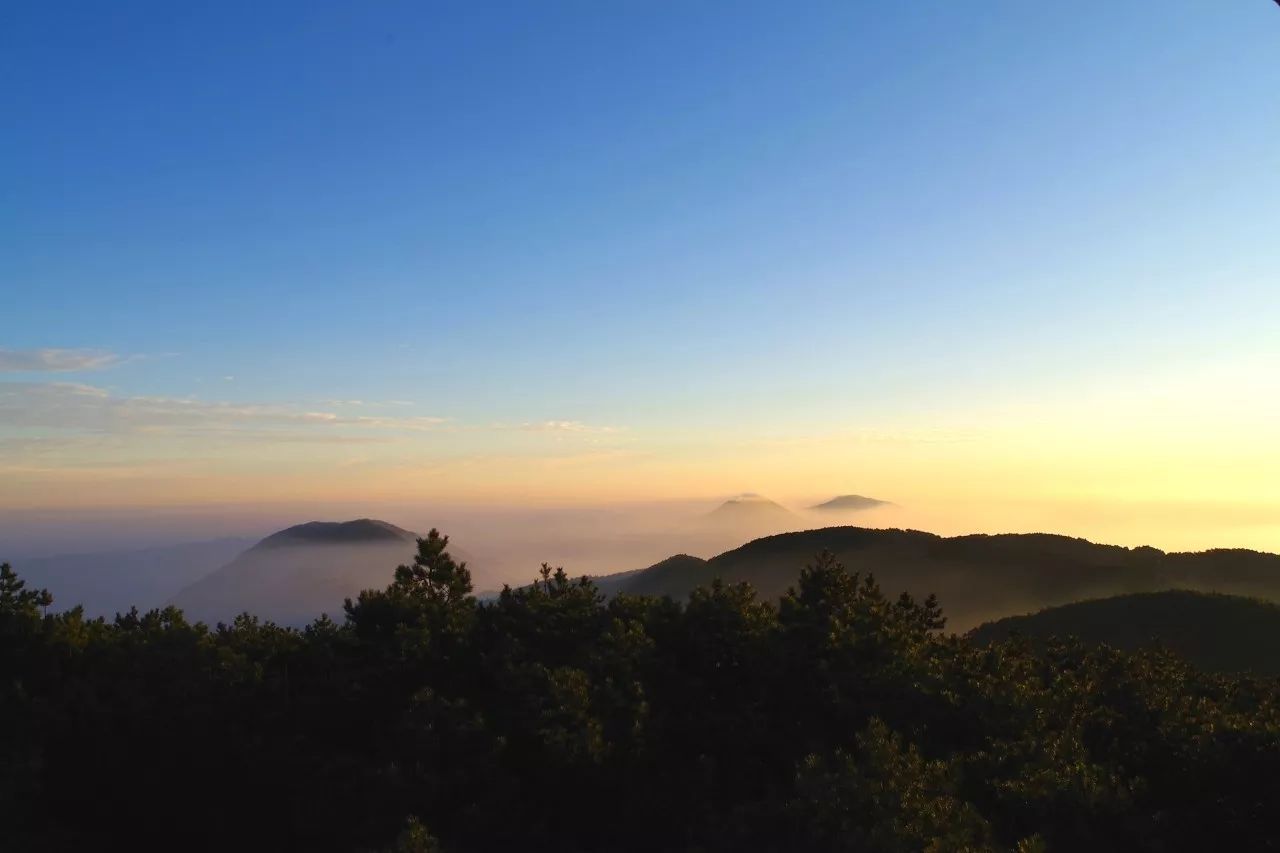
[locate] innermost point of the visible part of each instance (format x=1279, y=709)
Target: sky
x=1013, y=264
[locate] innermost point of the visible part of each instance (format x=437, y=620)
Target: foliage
x=551, y=718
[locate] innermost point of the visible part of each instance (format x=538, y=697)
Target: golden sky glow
x=1179, y=459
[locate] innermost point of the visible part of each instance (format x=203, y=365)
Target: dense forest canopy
x=833, y=718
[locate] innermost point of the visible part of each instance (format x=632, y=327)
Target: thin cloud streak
x=559, y=426
x=86, y=408
x=54, y=360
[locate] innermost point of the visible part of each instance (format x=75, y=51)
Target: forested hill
x=980, y=577
x=1225, y=633
x=834, y=719
x=358, y=532
x=295, y=575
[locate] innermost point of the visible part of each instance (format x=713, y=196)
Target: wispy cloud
x=367, y=404
x=560, y=426
x=85, y=408
x=81, y=409
x=55, y=360
x=408, y=423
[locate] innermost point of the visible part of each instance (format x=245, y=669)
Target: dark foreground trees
x=550, y=719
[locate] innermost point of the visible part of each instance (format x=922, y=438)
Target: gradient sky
x=988, y=253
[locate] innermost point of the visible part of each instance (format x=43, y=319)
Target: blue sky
x=675, y=219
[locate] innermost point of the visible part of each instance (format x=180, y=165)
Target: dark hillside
x=1223, y=633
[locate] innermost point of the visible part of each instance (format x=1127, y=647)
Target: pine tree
x=16, y=599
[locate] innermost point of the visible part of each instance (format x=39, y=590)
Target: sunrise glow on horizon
x=565, y=259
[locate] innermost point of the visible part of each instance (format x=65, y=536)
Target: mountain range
x=1101, y=593
x=977, y=577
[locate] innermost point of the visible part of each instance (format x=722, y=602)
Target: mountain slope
x=293, y=576
x=976, y=577
x=1225, y=633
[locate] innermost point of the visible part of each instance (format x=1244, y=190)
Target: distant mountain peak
x=749, y=504
x=294, y=575
x=850, y=502
x=358, y=531
x=749, y=498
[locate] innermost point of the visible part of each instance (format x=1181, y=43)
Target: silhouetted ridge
x=674, y=568
x=678, y=561
x=979, y=577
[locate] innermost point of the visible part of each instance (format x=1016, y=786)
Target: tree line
x=835, y=718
